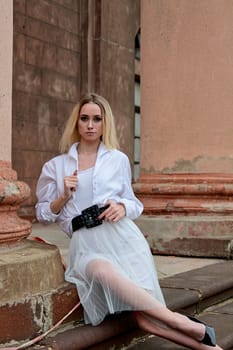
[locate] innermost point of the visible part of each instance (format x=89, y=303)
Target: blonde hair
x=71, y=134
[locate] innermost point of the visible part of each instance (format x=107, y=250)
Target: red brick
x=53, y=14
x=40, y=54
x=68, y=62
x=22, y=129
x=20, y=22
x=48, y=138
x=67, y=20
x=26, y=319
x=64, y=301
x=41, y=10
x=58, y=86
x=17, y=322
x=41, y=136
x=20, y=105
x=27, y=78
x=68, y=40
x=26, y=162
x=71, y=4
x=42, y=31
x=51, y=34
x=43, y=110
x=19, y=6
x=19, y=48
x=64, y=110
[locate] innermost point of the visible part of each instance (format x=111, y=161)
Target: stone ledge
x=188, y=292
x=201, y=236
x=206, y=281
x=28, y=269
x=88, y=336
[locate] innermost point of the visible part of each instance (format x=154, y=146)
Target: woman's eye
x=97, y=119
x=83, y=118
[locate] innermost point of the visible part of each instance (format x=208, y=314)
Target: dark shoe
x=209, y=338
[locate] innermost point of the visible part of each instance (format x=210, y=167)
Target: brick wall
x=62, y=49
x=46, y=82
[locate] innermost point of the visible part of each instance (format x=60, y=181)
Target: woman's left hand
x=114, y=212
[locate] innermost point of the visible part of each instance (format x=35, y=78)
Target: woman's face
x=90, y=122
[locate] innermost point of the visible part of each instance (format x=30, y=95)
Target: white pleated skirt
x=123, y=246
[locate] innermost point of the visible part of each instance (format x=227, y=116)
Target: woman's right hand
x=70, y=184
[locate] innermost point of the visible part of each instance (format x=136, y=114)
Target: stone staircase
x=206, y=292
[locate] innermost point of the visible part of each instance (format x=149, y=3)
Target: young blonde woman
x=87, y=190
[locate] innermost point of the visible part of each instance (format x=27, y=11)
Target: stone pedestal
x=187, y=214
x=12, y=194
x=33, y=292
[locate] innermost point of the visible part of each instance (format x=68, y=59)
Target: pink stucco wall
x=6, y=35
x=186, y=86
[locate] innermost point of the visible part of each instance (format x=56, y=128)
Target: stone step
x=219, y=316
x=196, y=290
x=197, y=236
x=207, y=291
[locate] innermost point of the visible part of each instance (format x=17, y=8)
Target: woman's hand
x=70, y=184
x=114, y=212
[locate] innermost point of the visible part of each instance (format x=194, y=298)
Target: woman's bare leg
x=177, y=337
x=103, y=272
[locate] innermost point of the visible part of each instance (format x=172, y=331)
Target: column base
x=187, y=214
x=196, y=236
x=33, y=292
x=12, y=194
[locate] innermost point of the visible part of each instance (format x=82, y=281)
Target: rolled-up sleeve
x=46, y=192
x=133, y=206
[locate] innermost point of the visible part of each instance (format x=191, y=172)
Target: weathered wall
x=119, y=27
x=187, y=82
x=46, y=81
x=108, y=59
x=63, y=48
x=186, y=162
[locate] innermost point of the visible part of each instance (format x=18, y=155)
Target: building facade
x=165, y=68
x=63, y=49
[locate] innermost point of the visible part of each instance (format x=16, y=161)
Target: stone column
x=33, y=293
x=186, y=164
x=12, y=192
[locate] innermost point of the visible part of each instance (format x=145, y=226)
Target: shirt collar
x=73, y=150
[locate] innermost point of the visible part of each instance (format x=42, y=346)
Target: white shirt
x=111, y=180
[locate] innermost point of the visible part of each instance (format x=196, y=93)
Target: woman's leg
x=150, y=326
x=104, y=273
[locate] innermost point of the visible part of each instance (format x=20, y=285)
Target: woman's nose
x=90, y=124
